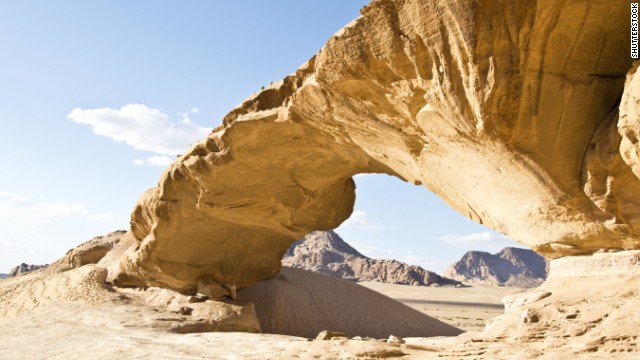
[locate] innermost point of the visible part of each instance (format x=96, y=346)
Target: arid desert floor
x=67, y=315
x=466, y=308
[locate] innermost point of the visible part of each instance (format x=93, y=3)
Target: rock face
x=587, y=307
x=89, y=252
x=325, y=252
x=510, y=267
x=508, y=110
x=24, y=268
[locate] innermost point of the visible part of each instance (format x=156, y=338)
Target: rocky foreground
x=75, y=314
x=509, y=267
x=325, y=252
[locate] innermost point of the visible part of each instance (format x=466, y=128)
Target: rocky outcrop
x=325, y=252
x=588, y=306
x=89, y=252
x=24, y=268
x=510, y=267
x=506, y=110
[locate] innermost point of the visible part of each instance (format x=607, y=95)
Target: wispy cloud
x=143, y=128
x=478, y=241
x=360, y=219
x=24, y=211
x=157, y=160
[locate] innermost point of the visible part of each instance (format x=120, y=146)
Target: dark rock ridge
x=510, y=267
x=24, y=268
x=325, y=252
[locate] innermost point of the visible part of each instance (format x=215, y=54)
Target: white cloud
x=142, y=127
x=159, y=161
x=479, y=241
x=25, y=212
x=465, y=240
x=360, y=219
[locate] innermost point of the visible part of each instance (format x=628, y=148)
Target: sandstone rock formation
x=510, y=267
x=325, y=252
x=588, y=306
x=151, y=308
x=89, y=252
x=303, y=303
x=506, y=110
x=24, y=268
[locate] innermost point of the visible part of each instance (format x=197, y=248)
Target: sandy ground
x=303, y=303
x=466, y=308
x=73, y=315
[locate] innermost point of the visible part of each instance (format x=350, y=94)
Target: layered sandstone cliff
x=508, y=110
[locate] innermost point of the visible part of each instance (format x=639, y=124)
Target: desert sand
x=74, y=314
x=467, y=308
x=303, y=303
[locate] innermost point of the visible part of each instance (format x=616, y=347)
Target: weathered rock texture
x=325, y=252
x=588, y=306
x=89, y=252
x=510, y=267
x=505, y=109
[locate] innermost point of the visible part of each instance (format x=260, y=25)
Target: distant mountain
x=24, y=268
x=510, y=267
x=326, y=253
x=2, y=276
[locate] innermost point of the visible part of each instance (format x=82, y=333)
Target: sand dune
x=302, y=303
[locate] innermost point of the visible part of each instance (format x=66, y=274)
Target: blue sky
x=97, y=97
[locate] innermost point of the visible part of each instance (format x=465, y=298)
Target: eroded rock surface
x=24, y=268
x=509, y=267
x=89, y=252
x=505, y=109
x=588, y=306
x=327, y=253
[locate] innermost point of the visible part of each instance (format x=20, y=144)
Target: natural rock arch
x=505, y=109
